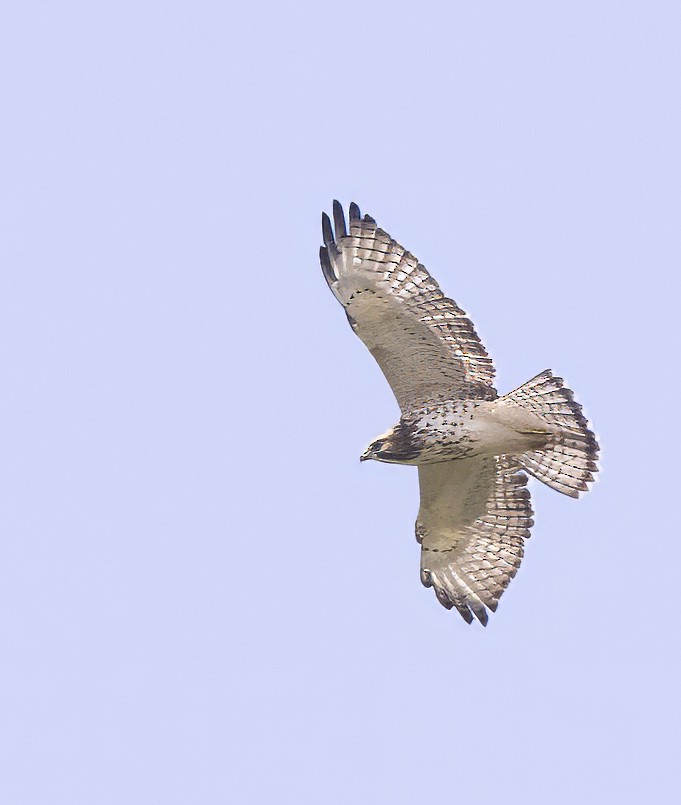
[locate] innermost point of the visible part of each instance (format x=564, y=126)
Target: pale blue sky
x=204, y=597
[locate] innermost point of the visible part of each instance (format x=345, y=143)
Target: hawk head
x=393, y=447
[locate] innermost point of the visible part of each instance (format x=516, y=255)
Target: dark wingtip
x=327, y=232
x=369, y=219
x=443, y=598
x=355, y=214
x=481, y=615
x=329, y=276
x=339, y=220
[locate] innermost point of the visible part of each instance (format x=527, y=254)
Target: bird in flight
x=472, y=447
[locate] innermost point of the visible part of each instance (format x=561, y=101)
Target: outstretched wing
x=475, y=514
x=423, y=342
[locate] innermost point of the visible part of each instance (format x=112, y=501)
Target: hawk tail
x=568, y=462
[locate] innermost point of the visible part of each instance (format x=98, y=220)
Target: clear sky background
x=204, y=597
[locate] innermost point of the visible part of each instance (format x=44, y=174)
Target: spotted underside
x=441, y=432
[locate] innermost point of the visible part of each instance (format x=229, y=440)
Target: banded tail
x=568, y=462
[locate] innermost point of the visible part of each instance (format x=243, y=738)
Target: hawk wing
x=474, y=515
x=423, y=342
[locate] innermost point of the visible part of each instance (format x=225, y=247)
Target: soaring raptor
x=472, y=447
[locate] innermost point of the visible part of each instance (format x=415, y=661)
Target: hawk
x=472, y=447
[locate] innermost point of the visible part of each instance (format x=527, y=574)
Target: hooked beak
x=366, y=455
